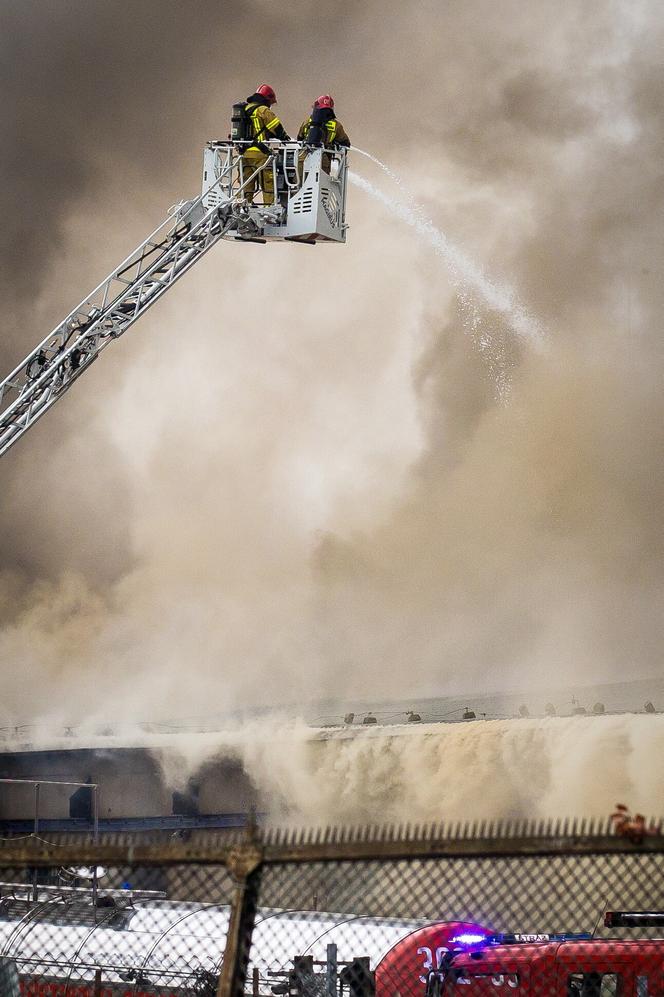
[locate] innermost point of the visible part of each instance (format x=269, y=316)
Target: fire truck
x=478, y=965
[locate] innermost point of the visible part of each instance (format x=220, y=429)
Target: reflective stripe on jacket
x=334, y=132
x=264, y=122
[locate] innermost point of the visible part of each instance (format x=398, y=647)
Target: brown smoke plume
x=297, y=477
x=501, y=769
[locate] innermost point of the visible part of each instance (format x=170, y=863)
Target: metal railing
x=37, y=785
x=300, y=190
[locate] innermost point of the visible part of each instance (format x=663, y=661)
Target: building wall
x=131, y=784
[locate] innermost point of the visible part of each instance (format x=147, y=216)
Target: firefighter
x=322, y=128
x=264, y=125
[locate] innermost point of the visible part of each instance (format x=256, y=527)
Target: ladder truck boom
x=309, y=207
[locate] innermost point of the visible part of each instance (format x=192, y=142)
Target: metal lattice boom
x=104, y=315
x=309, y=206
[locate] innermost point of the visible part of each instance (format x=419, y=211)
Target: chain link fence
x=74, y=928
x=464, y=914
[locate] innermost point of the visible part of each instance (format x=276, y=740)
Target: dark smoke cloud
x=91, y=89
x=338, y=489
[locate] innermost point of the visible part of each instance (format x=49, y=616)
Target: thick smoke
x=495, y=770
x=305, y=472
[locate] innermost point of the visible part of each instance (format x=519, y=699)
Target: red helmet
x=265, y=90
x=324, y=101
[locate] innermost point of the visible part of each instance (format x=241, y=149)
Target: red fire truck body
x=606, y=967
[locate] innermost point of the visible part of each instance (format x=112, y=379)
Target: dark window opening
x=81, y=803
x=185, y=804
x=594, y=985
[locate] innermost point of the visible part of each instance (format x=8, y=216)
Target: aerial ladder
x=309, y=206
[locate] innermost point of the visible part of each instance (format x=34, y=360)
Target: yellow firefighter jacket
x=264, y=122
x=335, y=133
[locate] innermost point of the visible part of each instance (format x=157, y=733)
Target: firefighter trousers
x=252, y=160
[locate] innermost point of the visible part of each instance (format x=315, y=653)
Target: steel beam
x=217, y=849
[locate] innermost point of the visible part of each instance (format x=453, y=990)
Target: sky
x=337, y=471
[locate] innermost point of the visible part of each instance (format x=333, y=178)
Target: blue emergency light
x=468, y=939
x=475, y=941
x=520, y=938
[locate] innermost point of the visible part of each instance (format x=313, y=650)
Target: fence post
x=244, y=864
x=331, y=967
